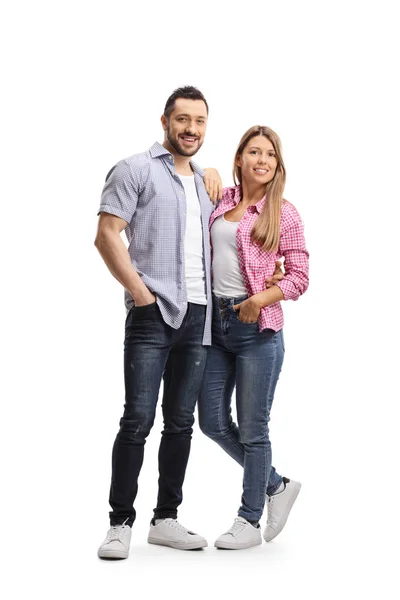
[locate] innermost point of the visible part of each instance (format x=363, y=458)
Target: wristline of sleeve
x=289, y=290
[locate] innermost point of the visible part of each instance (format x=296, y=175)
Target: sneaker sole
x=271, y=535
x=117, y=554
x=228, y=546
x=177, y=545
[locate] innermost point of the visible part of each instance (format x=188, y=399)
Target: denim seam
x=225, y=435
x=262, y=493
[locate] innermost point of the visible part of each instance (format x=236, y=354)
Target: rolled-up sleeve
x=120, y=193
x=293, y=247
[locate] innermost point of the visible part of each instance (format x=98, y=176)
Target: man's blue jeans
x=241, y=355
x=154, y=350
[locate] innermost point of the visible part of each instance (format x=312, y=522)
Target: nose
x=262, y=159
x=191, y=128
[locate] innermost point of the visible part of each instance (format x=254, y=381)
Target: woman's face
x=258, y=161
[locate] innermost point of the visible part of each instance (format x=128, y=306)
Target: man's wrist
x=141, y=297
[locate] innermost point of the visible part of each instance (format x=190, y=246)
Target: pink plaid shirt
x=256, y=264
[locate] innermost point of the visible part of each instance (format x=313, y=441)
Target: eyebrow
x=186, y=115
x=258, y=148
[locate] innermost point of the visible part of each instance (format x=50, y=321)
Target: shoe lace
x=270, y=519
x=115, y=531
x=176, y=525
x=237, y=527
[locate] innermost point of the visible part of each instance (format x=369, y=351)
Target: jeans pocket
x=237, y=313
x=144, y=306
x=142, y=311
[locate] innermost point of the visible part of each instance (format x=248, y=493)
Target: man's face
x=186, y=126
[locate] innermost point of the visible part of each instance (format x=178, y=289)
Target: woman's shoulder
x=289, y=213
x=229, y=193
x=288, y=209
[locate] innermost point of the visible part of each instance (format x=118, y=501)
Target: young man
x=159, y=198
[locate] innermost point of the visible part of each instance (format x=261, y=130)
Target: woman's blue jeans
x=241, y=355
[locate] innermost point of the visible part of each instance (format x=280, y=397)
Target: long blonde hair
x=266, y=230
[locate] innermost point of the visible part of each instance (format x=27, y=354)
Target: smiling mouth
x=188, y=139
x=261, y=171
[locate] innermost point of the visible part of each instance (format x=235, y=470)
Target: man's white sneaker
x=241, y=535
x=168, y=532
x=279, y=507
x=117, y=542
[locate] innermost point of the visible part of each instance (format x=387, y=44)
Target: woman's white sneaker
x=279, y=507
x=117, y=542
x=168, y=532
x=241, y=535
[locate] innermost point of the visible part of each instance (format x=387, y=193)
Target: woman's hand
x=249, y=310
x=213, y=184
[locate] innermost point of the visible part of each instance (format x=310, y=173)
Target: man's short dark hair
x=189, y=92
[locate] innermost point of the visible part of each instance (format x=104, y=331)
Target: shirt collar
x=237, y=191
x=157, y=150
x=260, y=205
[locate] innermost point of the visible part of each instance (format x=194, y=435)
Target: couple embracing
x=203, y=291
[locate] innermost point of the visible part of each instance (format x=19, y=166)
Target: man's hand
x=145, y=298
x=213, y=184
x=277, y=276
x=249, y=310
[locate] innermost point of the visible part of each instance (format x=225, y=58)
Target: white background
x=84, y=85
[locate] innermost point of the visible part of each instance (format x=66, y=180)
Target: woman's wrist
x=267, y=297
x=257, y=300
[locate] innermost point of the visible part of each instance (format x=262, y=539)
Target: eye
x=182, y=119
x=200, y=122
x=253, y=152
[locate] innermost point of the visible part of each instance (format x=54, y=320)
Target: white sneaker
x=279, y=507
x=117, y=542
x=168, y=532
x=241, y=535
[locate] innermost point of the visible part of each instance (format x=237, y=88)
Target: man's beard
x=177, y=147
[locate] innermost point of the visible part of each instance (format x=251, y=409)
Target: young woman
x=252, y=228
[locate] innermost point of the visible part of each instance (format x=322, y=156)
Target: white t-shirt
x=194, y=259
x=227, y=277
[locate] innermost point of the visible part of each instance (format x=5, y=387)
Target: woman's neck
x=252, y=193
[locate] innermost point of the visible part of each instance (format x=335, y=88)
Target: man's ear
x=164, y=122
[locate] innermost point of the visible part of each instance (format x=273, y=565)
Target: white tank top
x=194, y=263
x=227, y=277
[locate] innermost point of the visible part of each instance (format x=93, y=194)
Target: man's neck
x=182, y=163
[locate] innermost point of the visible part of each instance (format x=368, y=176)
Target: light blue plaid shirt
x=145, y=191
